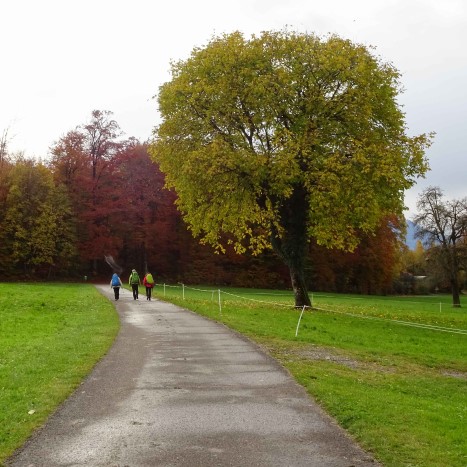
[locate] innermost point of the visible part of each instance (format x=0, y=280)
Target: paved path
x=179, y=390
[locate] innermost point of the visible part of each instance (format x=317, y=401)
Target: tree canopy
x=283, y=137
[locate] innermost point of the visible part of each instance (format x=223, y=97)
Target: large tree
x=443, y=227
x=273, y=140
x=100, y=136
x=83, y=160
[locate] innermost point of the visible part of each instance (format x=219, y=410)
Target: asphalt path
x=177, y=389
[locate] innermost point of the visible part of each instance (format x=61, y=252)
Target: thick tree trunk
x=299, y=287
x=291, y=244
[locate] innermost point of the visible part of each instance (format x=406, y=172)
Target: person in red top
x=148, y=282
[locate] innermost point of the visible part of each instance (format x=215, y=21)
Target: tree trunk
x=299, y=287
x=144, y=258
x=456, y=299
x=291, y=244
x=453, y=269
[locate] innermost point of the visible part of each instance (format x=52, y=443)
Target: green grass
x=399, y=388
x=51, y=335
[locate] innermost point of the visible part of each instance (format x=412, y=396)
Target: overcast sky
x=61, y=59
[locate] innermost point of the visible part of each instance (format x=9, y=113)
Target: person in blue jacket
x=116, y=283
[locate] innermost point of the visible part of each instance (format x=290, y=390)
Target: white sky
x=61, y=59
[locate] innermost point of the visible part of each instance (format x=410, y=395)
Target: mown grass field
x=51, y=335
x=392, y=371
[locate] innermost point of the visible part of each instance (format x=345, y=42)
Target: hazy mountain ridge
x=410, y=239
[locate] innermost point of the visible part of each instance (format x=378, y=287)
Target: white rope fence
x=385, y=300
x=218, y=292
x=398, y=321
x=257, y=301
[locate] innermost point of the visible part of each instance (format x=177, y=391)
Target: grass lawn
x=391, y=371
x=51, y=335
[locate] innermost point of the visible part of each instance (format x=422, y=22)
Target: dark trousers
x=134, y=288
x=148, y=293
x=117, y=292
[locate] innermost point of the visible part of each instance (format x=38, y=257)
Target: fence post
x=183, y=291
x=299, y=319
x=220, y=304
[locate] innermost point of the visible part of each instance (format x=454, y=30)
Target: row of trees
x=99, y=195
x=283, y=142
x=61, y=218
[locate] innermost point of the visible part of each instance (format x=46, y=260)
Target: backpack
x=134, y=278
x=115, y=281
x=149, y=279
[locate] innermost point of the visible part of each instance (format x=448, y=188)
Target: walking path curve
x=179, y=390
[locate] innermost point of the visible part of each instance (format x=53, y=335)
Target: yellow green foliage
x=249, y=123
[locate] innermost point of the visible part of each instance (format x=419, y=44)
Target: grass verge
x=51, y=336
x=391, y=371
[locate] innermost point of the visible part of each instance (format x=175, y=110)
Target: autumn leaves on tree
x=284, y=138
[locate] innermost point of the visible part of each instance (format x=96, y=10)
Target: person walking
x=116, y=283
x=135, y=282
x=148, y=282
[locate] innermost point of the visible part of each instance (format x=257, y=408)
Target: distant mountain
x=410, y=239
